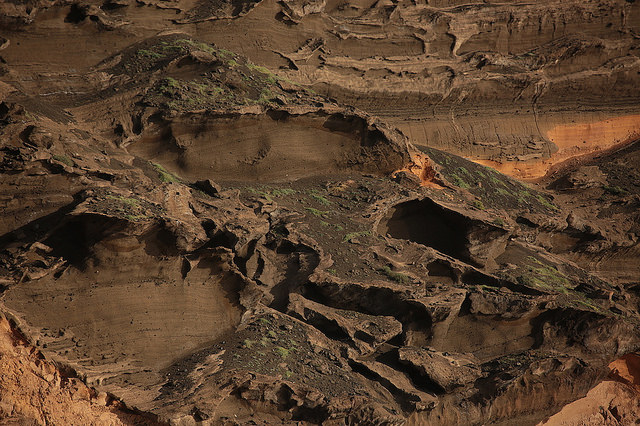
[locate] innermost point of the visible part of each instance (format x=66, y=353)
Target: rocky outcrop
x=450, y=75
x=612, y=402
x=207, y=240
x=35, y=391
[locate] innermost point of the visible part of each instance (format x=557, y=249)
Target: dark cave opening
x=425, y=222
x=74, y=239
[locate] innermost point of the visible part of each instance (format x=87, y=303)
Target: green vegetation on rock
x=353, y=235
x=394, y=276
x=316, y=212
x=615, y=190
x=64, y=160
x=544, y=277
x=283, y=352
x=317, y=196
x=165, y=175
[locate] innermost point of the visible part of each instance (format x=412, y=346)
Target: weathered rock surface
x=521, y=87
x=612, y=402
x=209, y=240
x=35, y=391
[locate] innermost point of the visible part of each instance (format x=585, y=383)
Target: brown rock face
x=35, y=391
x=612, y=402
x=259, y=212
x=444, y=72
x=263, y=148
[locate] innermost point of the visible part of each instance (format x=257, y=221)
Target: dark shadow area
x=427, y=223
x=38, y=228
x=76, y=15
x=418, y=379
x=301, y=263
x=373, y=301
x=74, y=239
x=405, y=401
x=441, y=271
x=328, y=327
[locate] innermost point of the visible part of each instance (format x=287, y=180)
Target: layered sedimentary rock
x=35, y=391
x=521, y=87
x=209, y=232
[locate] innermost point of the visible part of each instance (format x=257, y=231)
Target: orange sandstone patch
x=618, y=394
x=34, y=391
x=573, y=140
x=627, y=370
x=588, y=137
x=422, y=167
x=525, y=170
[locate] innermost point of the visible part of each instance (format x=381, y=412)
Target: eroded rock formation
x=208, y=233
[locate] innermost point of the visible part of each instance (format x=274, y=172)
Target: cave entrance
x=427, y=223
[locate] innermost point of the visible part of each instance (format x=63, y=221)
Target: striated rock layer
x=35, y=391
x=208, y=233
x=518, y=86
